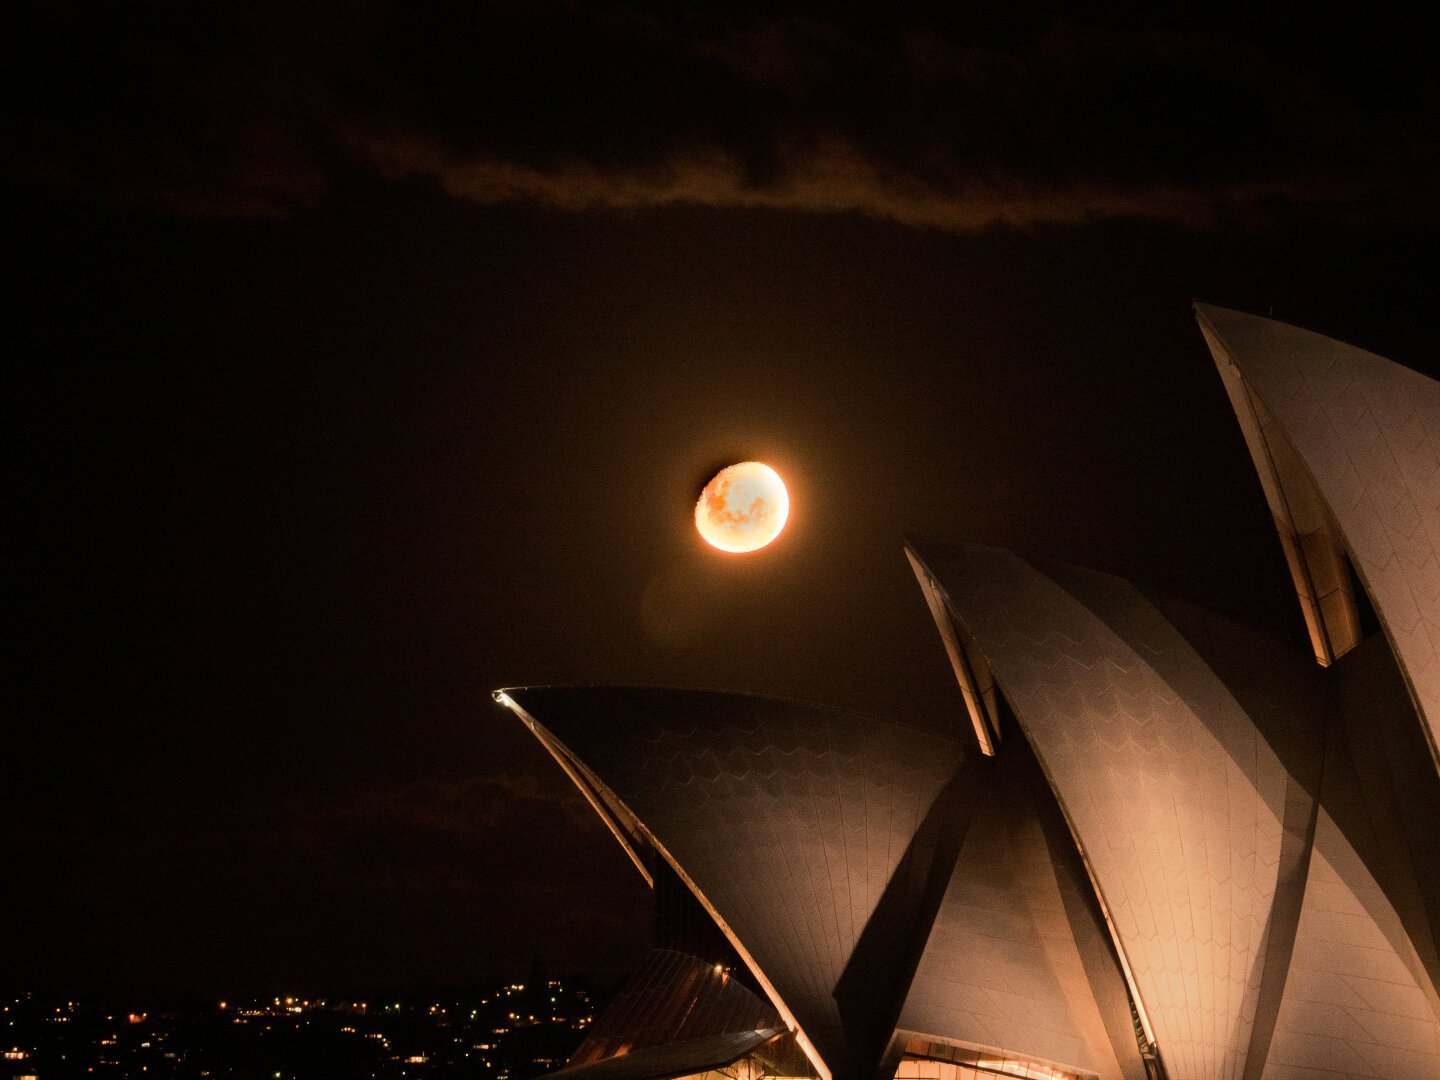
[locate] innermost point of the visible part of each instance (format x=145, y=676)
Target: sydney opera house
x=1159, y=844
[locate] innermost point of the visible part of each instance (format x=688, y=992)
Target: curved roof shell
x=828, y=846
x=1190, y=758
x=676, y=1016
x=1347, y=445
x=1018, y=958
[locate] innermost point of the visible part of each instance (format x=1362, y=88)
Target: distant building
x=1159, y=845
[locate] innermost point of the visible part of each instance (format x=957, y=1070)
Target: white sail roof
x=1347, y=444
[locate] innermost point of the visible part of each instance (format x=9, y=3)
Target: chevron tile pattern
x=1354, y=1004
x=802, y=828
x=1368, y=431
x=1175, y=797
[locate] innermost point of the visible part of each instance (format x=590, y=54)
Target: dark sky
x=362, y=362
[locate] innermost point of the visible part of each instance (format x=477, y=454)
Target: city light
x=408, y=1039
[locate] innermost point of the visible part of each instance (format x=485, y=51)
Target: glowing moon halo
x=743, y=508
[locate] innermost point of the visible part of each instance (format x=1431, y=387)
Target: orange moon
x=743, y=508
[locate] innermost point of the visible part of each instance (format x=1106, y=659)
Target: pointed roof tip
x=919, y=544
x=1207, y=313
x=931, y=549
x=505, y=699
x=920, y=550
x=1259, y=335
x=1206, y=309
x=1201, y=309
x=1228, y=328
x=918, y=560
x=919, y=553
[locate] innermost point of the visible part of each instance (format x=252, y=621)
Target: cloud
x=836, y=177
x=920, y=121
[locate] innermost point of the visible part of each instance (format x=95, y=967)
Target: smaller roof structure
x=676, y=1016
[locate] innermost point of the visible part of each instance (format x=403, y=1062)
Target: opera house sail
x=1155, y=844
x=1272, y=910
x=889, y=893
x=1347, y=445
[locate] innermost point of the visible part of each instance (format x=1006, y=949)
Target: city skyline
x=475, y=1032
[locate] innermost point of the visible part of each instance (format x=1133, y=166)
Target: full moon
x=743, y=508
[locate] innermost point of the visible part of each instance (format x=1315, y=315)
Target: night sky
x=363, y=361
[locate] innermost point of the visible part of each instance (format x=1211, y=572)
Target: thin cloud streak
x=837, y=179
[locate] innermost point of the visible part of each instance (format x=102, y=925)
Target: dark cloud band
x=945, y=123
